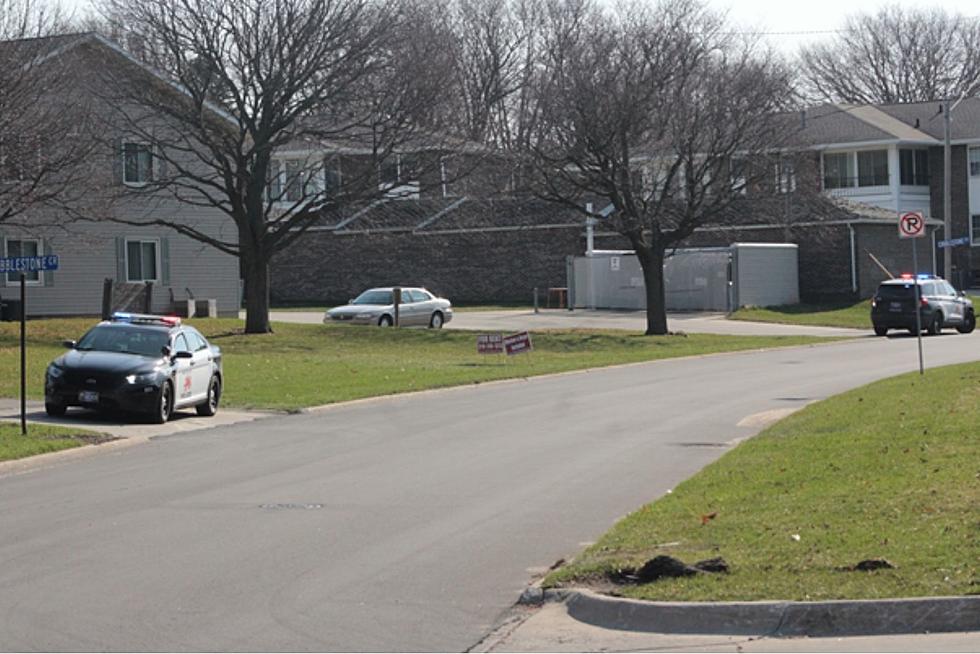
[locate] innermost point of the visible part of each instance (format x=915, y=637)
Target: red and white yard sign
x=517, y=343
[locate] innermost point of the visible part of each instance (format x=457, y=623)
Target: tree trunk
x=256, y=267
x=652, y=262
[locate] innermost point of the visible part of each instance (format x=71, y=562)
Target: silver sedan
x=376, y=306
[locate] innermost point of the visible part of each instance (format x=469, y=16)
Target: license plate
x=895, y=306
x=88, y=396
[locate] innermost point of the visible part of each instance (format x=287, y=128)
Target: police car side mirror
x=962, y=293
x=71, y=345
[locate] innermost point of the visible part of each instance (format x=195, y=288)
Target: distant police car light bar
x=145, y=319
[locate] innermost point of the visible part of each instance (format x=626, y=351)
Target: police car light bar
x=145, y=319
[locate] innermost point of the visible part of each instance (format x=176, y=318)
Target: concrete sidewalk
x=549, y=628
x=123, y=426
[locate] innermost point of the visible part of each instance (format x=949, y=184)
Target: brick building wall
x=473, y=267
x=962, y=256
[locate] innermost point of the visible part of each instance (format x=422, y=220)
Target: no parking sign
x=911, y=224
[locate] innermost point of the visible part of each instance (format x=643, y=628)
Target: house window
x=141, y=261
x=23, y=248
x=738, y=169
x=785, y=176
x=872, y=168
x=975, y=229
x=838, y=170
x=914, y=167
x=974, y=162
x=398, y=171
x=137, y=163
x=294, y=180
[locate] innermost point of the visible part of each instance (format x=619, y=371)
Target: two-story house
x=92, y=247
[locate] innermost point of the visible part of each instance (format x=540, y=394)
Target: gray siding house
x=91, y=245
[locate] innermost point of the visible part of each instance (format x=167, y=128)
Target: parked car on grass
x=137, y=363
x=940, y=305
x=376, y=306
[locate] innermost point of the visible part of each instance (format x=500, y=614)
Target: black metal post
x=397, y=293
x=23, y=353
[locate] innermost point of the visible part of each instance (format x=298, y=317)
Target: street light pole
x=947, y=195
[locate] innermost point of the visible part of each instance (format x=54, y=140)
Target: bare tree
x=896, y=55
x=494, y=46
x=41, y=155
x=659, y=113
x=257, y=77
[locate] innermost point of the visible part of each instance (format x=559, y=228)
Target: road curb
x=815, y=619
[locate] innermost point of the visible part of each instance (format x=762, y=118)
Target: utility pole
x=947, y=194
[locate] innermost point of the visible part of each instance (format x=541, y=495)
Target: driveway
x=694, y=323
x=409, y=523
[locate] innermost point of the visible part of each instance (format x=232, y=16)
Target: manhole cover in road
x=282, y=507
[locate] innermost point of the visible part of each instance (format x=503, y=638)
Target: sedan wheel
x=436, y=321
x=385, y=321
x=210, y=407
x=165, y=404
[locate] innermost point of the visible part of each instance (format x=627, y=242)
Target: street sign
x=911, y=224
x=517, y=343
x=28, y=264
x=490, y=344
x=952, y=242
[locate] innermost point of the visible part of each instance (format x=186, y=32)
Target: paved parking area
x=185, y=420
x=694, y=323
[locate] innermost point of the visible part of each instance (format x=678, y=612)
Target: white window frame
x=784, y=175
x=969, y=160
x=915, y=168
x=142, y=241
x=122, y=155
x=401, y=188
x=279, y=164
x=6, y=252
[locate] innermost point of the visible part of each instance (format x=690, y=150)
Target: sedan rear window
x=374, y=297
x=896, y=291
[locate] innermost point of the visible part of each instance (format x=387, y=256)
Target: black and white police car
x=137, y=363
x=939, y=305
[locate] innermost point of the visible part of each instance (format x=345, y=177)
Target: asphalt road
x=407, y=523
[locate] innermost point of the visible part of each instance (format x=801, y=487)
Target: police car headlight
x=142, y=378
x=54, y=372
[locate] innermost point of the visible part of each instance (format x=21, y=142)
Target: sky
x=793, y=18
x=794, y=22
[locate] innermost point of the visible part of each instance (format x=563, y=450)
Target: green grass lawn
x=890, y=470
x=849, y=314
x=40, y=439
x=306, y=365
x=855, y=315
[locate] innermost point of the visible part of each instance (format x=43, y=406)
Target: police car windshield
x=374, y=297
x=125, y=340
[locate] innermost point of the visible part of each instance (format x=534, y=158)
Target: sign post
x=912, y=224
x=24, y=265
